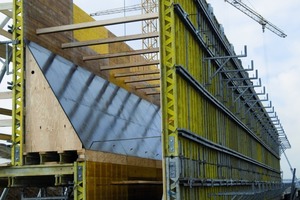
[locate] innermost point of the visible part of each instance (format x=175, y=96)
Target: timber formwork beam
x=121, y=54
x=4, y=136
x=138, y=73
x=93, y=24
x=5, y=95
x=130, y=65
x=109, y=40
x=4, y=111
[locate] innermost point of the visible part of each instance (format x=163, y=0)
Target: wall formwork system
x=217, y=140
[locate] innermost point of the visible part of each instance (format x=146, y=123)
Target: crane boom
x=257, y=17
x=118, y=10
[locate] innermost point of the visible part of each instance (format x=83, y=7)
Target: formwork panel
x=122, y=181
x=105, y=117
x=211, y=137
x=47, y=126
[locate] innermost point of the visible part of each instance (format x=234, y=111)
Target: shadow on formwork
x=88, y=135
x=93, y=116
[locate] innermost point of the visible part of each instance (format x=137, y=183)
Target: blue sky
x=276, y=58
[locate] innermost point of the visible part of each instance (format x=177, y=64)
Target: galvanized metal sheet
x=106, y=117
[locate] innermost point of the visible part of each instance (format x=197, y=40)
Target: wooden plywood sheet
x=47, y=126
x=105, y=157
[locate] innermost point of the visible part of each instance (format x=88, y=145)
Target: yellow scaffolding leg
x=80, y=181
x=169, y=101
x=18, y=120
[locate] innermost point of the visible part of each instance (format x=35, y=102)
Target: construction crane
x=257, y=17
x=148, y=26
x=118, y=10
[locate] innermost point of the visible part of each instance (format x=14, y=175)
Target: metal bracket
x=242, y=78
x=251, y=95
x=172, y=169
x=8, y=56
x=246, y=86
x=265, y=107
x=227, y=58
x=258, y=100
x=17, y=153
x=171, y=144
x=79, y=173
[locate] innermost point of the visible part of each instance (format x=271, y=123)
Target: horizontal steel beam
x=198, y=139
x=36, y=170
x=93, y=24
x=194, y=83
x=225, y=57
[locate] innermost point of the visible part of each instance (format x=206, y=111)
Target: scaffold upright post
x=169, y=101
x=80, y=181
x=18, y=120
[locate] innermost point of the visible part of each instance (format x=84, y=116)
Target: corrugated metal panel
x=105, y=116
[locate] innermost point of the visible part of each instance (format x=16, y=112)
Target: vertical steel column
x=79, y=181
x=169, y=101
x=18, y=120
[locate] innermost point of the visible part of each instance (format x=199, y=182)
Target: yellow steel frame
x=184, y=107
x=18, y=120
x=169, y=98
x=80, y=181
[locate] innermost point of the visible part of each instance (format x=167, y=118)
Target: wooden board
x=92, y=24
x=5, y=122
x=5, y=33
x=131, y=65
x=96, y=156
x=4, y=111
x=5, y=95
x=6, y=6
x=3, y=50
x=8, y=13
x=130, y=74
x=109, y=40
x=4, y=136
x=121, y=54
x=47, y=126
